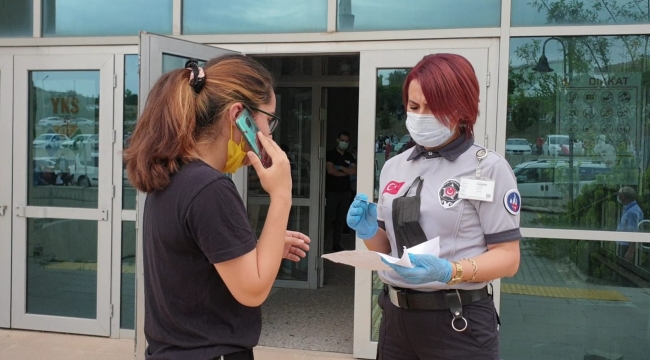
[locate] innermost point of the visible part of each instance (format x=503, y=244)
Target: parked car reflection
x=49, y=141
x=516, y=146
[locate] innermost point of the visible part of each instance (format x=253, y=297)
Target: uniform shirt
x=197, y=221
x=465, y=227
x=339, y=183
x=632, y=216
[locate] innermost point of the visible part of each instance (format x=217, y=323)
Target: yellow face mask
x=236, y=155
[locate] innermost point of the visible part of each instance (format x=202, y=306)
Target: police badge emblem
x=448, y=193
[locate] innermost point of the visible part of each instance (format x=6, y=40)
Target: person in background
x=441, y=308
x=205, y=272
x=389, y=148
x=540, y=145
x=340, y=165
x=630, y=218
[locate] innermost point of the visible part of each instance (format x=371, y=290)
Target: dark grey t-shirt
x=197, y=221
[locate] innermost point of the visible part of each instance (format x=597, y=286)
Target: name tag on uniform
x=473, y=188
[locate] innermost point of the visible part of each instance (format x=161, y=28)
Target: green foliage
x=390, y=110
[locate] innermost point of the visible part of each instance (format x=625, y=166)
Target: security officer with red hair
x=450, y=188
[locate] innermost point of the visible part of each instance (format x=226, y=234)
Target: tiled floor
x=28, y=345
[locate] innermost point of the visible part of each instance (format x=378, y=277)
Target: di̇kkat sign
x=601, y=112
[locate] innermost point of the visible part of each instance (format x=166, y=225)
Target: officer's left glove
x=427, y=268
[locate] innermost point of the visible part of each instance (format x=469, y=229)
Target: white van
x=549, y=179
x=558, y=145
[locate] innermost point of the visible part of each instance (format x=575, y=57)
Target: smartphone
x=246, y=124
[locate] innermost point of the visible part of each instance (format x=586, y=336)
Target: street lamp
x=43, y=93
x=542, y=64
x=543, y=67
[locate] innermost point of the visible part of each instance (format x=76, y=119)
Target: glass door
x=382, y=116
x=298, y=137
x=62, y=189
x=6, y=139
x=158, y=55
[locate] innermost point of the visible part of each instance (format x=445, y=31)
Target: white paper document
x=371, y=260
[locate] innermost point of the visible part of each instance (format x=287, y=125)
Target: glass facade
x=106, y=18
x=377, y=15
x=254, y=16
x=293, y=135
x=574, y=299
x=586, y=12
x=64, y=128
x=62, y=268
x=392, y=137
x=577, y=128
x=127, y=280
x=16, y=18
x=130, y=118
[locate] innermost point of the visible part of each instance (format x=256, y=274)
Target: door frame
x=6, y=178
x=370, y=62
x=151, y=51
x=105, y=64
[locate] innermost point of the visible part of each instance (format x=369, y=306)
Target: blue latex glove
x=362, y=217
x=428, y=268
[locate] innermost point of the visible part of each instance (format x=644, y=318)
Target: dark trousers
x=242, y=355
x=428, y=335
x=336, y=210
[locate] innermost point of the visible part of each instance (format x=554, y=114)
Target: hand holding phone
x=246, y=124
x=275, y=179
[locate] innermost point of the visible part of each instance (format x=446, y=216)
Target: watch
x=459, y=274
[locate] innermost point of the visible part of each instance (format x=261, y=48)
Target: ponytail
x=176, y=116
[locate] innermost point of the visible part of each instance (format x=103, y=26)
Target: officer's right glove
x=362, y=217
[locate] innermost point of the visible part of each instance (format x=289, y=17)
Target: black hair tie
x=197, y=76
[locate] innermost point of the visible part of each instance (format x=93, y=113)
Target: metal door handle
x=3, y=208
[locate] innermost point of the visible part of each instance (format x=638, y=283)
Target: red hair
x=450, y=86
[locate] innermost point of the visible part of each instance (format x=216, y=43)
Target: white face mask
x=426, y=130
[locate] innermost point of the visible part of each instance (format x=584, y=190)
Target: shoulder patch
x=512, y=201
x=448, y=193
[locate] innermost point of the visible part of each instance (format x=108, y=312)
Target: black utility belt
x=434, y=300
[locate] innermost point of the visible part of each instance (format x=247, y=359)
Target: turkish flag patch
x=393, y=187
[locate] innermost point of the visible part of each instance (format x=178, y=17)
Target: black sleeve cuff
x=382, y=225
x=502, y=237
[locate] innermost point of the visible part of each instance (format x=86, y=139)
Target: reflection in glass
x=341, y=65
x=107, y=17
x=63, y=132
x=16, y=19
x=288, y=65
x=374, y=15
x=571, y=299
x=62, y=268
x=590, y=12
x=392, y=138
x=254, y=16
x=258, y=209
x=293, y=134
x=583, y=117
x=376, y=313
x=127, y=280
x=130, y=116
x=172, y=62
